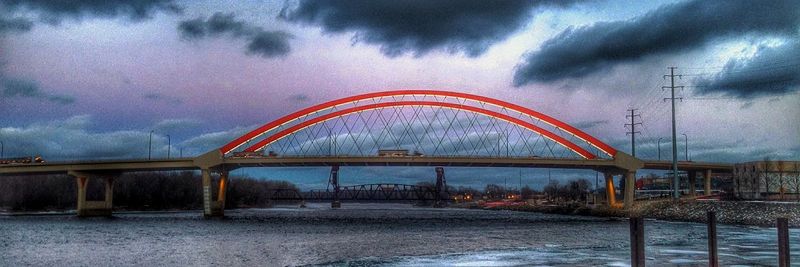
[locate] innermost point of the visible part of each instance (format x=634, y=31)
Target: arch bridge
x=391, y=128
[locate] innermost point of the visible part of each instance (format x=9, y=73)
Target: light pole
x=150, y=146
x=2, y=148
x=686, y=144
x=181, y=153
x=169, y=145
x=659, y=148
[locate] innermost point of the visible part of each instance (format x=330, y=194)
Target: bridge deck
x=233, y=163
x=100, y=165
x=422, y=161
x=689, y=166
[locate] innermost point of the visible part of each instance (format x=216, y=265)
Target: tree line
x=573, y=190
x=133, y=191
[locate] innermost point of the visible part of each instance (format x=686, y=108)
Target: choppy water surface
x=367, y=235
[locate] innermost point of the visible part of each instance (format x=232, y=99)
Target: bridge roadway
x=213, y=162
x=177, y=164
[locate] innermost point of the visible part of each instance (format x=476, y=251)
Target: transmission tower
x=633, y=131
x=672, y=87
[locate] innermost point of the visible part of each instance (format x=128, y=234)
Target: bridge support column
x=692, y=180
x=214, y=207
x=86, y=208
x=83, y=181
x=218, y=206
x=707, y=183
x=207, y=202
x=630, y=188
x=440, y=185
x=610, y=191
x=334, y=181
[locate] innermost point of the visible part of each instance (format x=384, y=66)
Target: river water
x=369, y=235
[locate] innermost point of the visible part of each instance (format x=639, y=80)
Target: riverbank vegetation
x=133, y=191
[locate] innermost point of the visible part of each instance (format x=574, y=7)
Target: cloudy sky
x=91, y=79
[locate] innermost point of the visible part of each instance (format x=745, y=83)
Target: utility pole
x=672, y=87
x=633, y=131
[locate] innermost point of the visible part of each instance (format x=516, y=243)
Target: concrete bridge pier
x=214, y=207
x=611, y=192
x=630, y=189
x=707, y=183
x=441, y=185
x=692, y=180
x=86, y=208
x=334, y=181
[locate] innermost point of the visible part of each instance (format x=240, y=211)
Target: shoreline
x=743, y=213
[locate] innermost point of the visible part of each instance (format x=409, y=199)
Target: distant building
x=767, y=180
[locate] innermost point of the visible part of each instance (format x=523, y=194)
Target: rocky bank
x=728, y=212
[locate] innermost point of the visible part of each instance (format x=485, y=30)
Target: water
x=369, y=235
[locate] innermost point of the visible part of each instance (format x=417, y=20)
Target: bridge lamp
x=169, y=145
x=659, y=148
x=686, y=144
x=150, y=145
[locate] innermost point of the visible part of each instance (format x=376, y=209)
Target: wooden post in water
x=637, y=241
x=713, y=258
x=783, y=242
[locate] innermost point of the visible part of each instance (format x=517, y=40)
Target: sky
x=91, y=79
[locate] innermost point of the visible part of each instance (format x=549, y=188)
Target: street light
x=181, y=153
x=659, y=148
x=150, y=146
x=2, y=148
x=686, y=144
x=169, y=145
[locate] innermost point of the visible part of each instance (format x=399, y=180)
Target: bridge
x=442, y=128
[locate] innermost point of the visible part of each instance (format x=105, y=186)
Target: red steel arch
x=295, y=128
x=503, y=104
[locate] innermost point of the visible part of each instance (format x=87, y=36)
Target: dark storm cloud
x=217, y=24
x=260, y=42
x=578, y=52
x=54, y=12
x=22, y=88
x=269, y=44
x=589, y=124
x=771, y=71
x=419, y=26
x=15, y=25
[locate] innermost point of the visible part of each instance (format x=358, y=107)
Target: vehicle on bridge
x=22, y=160
x=397, y=153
